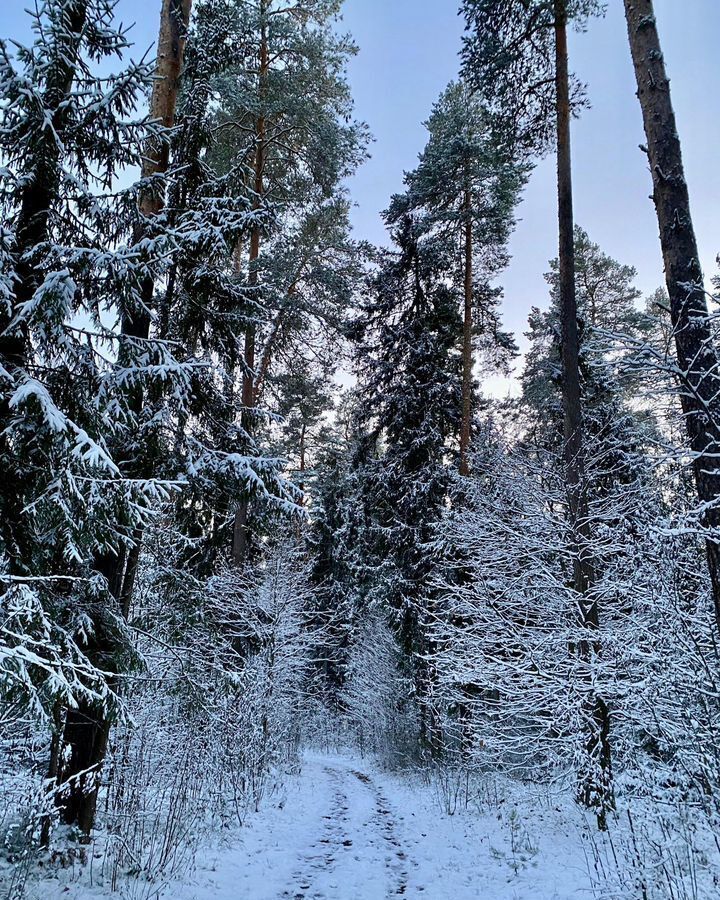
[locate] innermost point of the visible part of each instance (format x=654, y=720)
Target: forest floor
x=343, y=829
x=346, y=831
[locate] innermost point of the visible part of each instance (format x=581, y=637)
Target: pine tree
x=517, y=57
x=287, y=107
x=311, y=270
x=611, y=326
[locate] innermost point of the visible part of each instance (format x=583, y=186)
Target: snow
x=343, y=830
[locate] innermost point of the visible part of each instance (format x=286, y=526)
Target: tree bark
x=467, y=354
x=240, y=528
x=86, y=735
x=174, y=22
x=696, y=353
x=595, y=782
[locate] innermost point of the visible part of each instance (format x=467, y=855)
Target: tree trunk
x=240, y=529
x=54, y=766
x=467, y=355
x=696, y=354
x=87, y=727
x=86, y=736
x=595, y=782
x=303, y=463
x=135, y=323
x=174, y=21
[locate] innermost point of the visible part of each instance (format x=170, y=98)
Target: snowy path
x=346, y=832
x=356, y=845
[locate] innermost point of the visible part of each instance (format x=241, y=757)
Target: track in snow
x=341, y=856
x=344, y=831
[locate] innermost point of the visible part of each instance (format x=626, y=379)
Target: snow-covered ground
x=345, y=831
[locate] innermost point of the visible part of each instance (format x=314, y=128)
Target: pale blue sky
x=408, y=52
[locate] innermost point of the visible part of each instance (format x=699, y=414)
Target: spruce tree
x=336, y=523
x=71, y=266
x=409, y=362
x=464, y=192
x=138, y=449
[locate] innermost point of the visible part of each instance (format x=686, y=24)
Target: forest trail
x=335, y=836
x=356, y=845
x=343, y=831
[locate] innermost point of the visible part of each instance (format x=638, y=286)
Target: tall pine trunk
x=696, y=354
x=87, y=726
x=240, y=542
x=467, y=356
x=135, y=323
x=595, y=789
